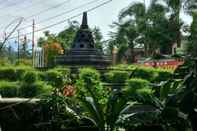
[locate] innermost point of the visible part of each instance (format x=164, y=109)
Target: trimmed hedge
x=87, y=74
x=8, y=89
x=88, y=83
x=116, y=76
x=36, y=89
x=16, y=89
x=145, y=73
x=56, y=77
x=163, y=75
x=138, y=85
x=31, y=82
x=153, y=75
x=30, y=77
x=12, y=73
x=8, y=73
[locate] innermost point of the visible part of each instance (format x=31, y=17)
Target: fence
x=39, y=58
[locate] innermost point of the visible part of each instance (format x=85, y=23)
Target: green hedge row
x=13, y=73
x=138, y=85
x=17, y=89
x=116, y=76
x=8, y=89
x=24, y=81
x=122, y=73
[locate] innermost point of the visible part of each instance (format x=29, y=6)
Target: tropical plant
x=150, y=22
x=176, y=7
x=130, y=109
x=185, y=98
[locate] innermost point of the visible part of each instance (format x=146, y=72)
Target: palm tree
x=176, y=7
x=144, y=18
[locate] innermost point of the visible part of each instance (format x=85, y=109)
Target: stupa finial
x=84, y=24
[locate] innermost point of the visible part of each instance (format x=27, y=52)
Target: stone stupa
x=83, y=51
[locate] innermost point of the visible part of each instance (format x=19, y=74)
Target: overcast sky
x=101, y=17
x=41, y=10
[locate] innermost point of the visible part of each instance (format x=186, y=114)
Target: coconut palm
x=176, y=7
x=146, y=20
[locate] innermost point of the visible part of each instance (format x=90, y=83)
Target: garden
x=123, y=97
x=140, y=75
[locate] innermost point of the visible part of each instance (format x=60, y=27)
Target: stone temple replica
x=83, y=51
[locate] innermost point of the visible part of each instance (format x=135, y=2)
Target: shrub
x=138, y=85
x=37, y=89
x=8, y=89
x=117, y=76
x=8, y=73
x=30, y=77
x=163, y=75
x=145, y=73
x=21, y=70
x=88, y=74
x=65, y=73
x=54, y=78
x=12, y=73
x=89, y=84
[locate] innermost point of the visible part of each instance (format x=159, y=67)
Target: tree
x=192, y=44
x=52, y=47
x=175, y=9
x=142, y=25
x=98, y=38
x=66, y=36
x=24, y=51
x=150, y=22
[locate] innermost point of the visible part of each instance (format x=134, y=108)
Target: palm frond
x=93, y=112
x=136, y=9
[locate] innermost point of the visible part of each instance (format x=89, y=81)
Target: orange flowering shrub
x=52, y=50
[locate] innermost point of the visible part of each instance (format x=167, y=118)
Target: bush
x=30, y=77
x=152, y=74
x=88, y=74
x=21, y=70
x=37, y=89
x=8, y=73
x=163, y=75
x=139, y=85
x=8, y=89
x=89, y=84
x=145, y=73
x=12, y=73
x=54, y=78
x=117, y=76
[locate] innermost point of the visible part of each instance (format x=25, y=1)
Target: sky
x=44, y=12
x=101, y=17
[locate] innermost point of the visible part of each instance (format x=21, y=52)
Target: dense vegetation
x=91, y=100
